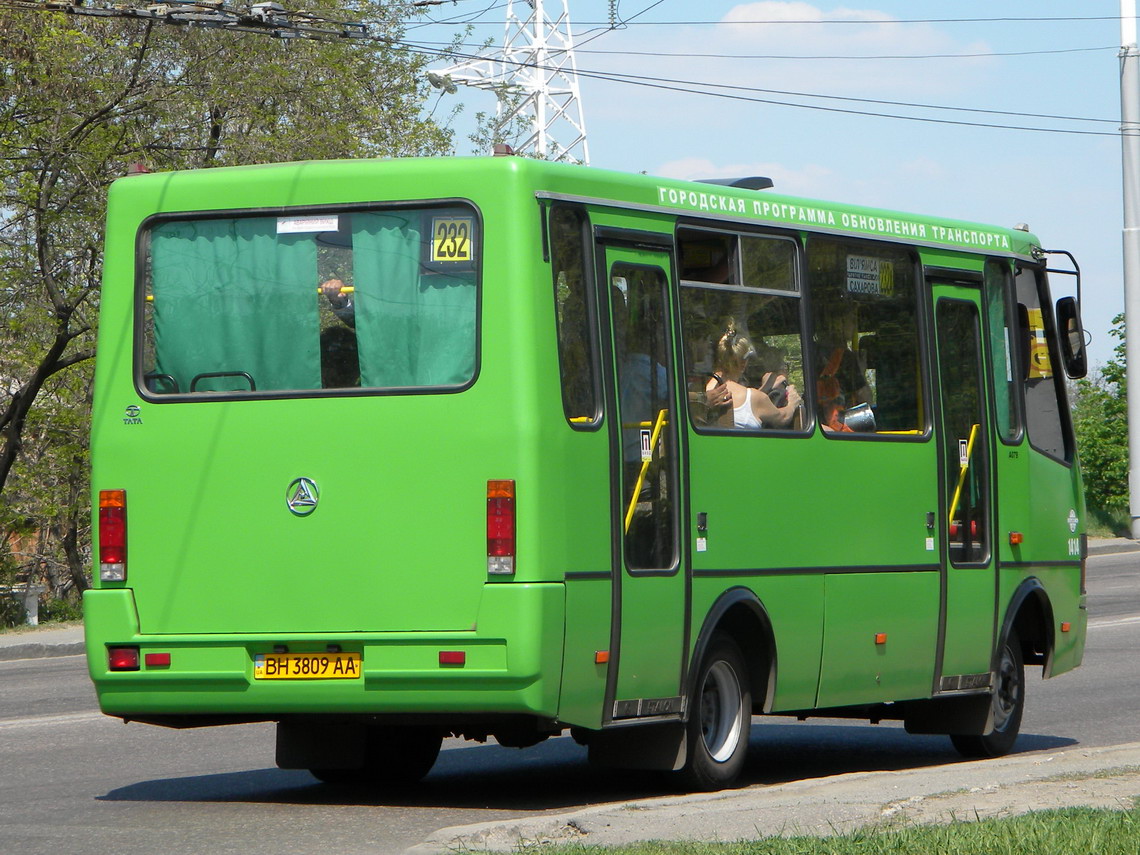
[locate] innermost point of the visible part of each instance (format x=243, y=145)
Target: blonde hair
x=732, y=349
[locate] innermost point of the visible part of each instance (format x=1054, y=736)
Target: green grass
x=1071, y=831
x=1112, y=523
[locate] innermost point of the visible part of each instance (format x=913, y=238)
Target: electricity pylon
x=535, y=78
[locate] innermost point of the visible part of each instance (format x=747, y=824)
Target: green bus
x=386, y=451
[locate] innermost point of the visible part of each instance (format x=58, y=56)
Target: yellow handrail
x=347, y=289
x=657, y=426
x=962, y=470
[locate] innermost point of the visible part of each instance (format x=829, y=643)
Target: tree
x=1100, y=417
x=83, y=98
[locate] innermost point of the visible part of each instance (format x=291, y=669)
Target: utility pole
x=535, y=78
x=1130, y=150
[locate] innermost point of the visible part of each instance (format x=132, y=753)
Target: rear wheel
x=719, y=719
x=1008, y=705
x=392, y=755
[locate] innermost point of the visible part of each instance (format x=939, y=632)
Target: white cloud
x=809, y=180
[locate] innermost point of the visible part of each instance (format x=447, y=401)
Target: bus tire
x=1008, y=704
x=719, y=718
x=392, y=755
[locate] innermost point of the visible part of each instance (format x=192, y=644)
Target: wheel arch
x=1030, y=613
x=739, y=613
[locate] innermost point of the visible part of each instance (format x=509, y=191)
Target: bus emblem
x=302, y=496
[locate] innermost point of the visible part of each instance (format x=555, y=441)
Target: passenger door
x=650, y=603
x=967, y=615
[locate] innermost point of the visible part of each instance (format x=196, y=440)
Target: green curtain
x=234, y=296
x=415, y=326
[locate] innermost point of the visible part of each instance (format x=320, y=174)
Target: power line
x=820, y=57
x=264, y=18
x=863, y=21
x=621, y=77
x=844, y=57
x=674, y=85
x=269, y=18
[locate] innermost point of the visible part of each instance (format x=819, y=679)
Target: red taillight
x=112, y=535
x=501, y=527
x=123, y=658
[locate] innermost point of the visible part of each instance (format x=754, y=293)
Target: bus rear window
x=377, y=299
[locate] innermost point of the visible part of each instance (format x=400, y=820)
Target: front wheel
x=719, y=719
x=1008, y=703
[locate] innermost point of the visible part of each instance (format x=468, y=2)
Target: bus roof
x=357, y=181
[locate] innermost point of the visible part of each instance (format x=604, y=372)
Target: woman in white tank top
x=751, y=408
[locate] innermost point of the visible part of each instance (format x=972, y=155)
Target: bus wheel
x=1008, y=705
x=719, y=718
x=392, y=755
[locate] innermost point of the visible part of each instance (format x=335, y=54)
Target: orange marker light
x=1066, y=626
x=880, y=638
x=601, y=657
x=1016, y=538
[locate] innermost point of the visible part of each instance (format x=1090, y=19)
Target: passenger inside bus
x=842, y=383
x=774, y=404
x=340, y=361
x=340, y=300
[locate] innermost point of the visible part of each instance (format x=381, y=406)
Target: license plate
x=306, y=666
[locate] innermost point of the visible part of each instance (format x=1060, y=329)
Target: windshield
x=377, y=299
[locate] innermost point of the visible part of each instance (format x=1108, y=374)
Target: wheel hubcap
x=1008, y=690
x=721, y=713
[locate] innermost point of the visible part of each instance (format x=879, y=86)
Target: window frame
x=589, y=287
x=1064, y=414
x=923, y=318
x=142, y=272
x=1008, y=288
x=738, y=231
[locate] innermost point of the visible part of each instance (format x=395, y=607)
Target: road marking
x=51, y=720
x=1109, y=622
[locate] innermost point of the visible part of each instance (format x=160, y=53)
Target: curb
x=35, y=650
x=1115, y=547
x=1005, y=786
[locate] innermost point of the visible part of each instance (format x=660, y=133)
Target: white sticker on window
x=869, y=275
x=306, y=225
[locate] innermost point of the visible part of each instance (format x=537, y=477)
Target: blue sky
x=1067, y=187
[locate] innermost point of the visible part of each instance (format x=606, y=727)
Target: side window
x=741, y=315
x=1043, y=386
x=866, y=356
x=568, y=261
x=1002, y=327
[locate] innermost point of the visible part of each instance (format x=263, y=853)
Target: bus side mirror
x=1072, y=336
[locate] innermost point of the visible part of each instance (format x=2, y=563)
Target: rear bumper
x=513, y=660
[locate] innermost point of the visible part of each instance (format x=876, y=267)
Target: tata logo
x=132, y=415
x=302, y=496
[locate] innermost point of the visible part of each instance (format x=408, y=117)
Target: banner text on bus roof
x=805, y=214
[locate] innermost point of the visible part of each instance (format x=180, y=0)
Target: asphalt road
x=72, y=780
